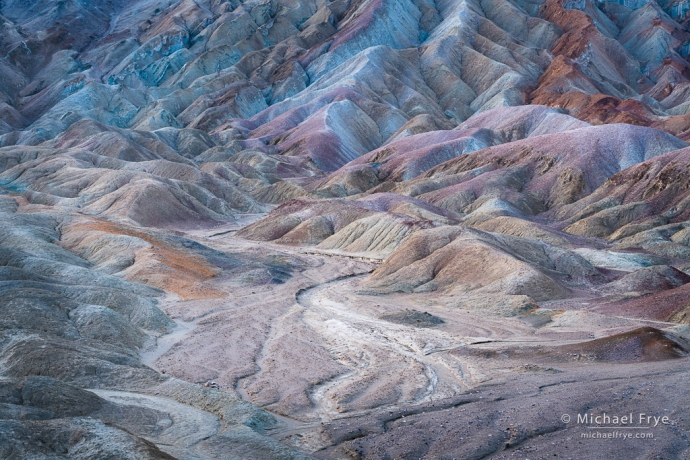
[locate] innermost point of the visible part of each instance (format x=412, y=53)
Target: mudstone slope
x=342, y=229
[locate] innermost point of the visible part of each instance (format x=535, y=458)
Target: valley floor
x=348, y=375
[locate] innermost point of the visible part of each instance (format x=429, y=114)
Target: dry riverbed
x=350, y=374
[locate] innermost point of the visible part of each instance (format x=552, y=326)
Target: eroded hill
x=342, y=229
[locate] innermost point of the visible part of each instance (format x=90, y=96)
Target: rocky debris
x=517, y=411
x=413, y=318
x=639, y=345
x=646, y=344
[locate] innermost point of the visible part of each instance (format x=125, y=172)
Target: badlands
x=336, y=229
